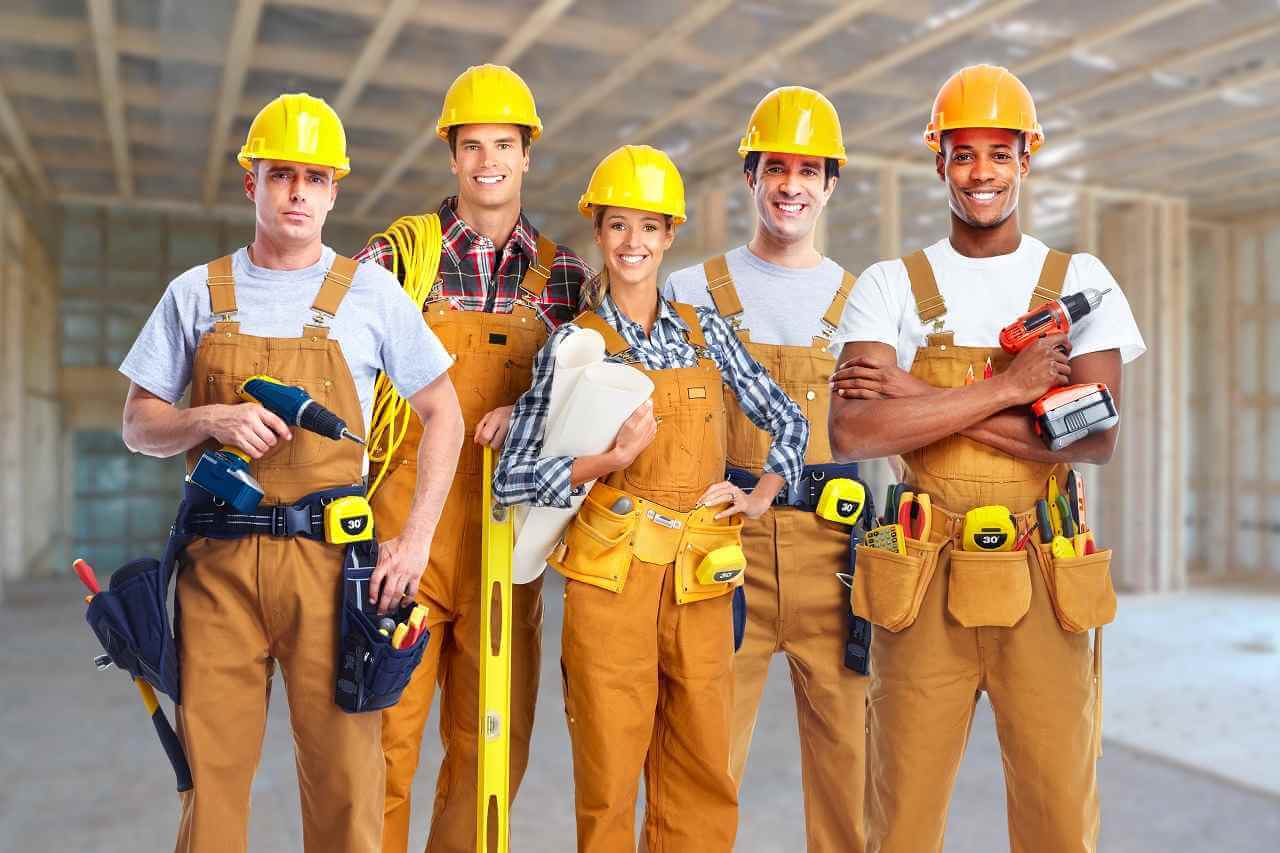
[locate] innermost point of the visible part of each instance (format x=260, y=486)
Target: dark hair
x=526, y=137
x=830, y=166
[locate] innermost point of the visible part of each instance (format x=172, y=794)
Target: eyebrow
x=471, y=139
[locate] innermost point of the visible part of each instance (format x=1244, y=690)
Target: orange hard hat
x=983, y=96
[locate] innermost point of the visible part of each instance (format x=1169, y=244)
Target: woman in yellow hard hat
x=655, y=551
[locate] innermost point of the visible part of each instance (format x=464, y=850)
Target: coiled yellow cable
x=415, y=252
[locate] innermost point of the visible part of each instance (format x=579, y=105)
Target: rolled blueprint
x=589, y=401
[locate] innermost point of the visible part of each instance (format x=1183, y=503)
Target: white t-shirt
x=780, y=305
x=983, y=295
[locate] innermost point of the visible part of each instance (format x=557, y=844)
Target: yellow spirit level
x=494, y=750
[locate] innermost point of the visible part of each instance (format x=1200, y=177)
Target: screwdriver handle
x=85, y=572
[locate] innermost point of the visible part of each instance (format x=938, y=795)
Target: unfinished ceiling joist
x=21, y=144
x=374, y=52
x=244, y=33
x=858, y=131
x=539, y=22
x=102, y=23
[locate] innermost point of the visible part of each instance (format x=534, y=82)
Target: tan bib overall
x=795, y=604
x=493, y=366
x=952, y=624
x=646, y=649
x=246, y=603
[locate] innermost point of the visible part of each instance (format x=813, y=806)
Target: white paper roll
x=589, y=401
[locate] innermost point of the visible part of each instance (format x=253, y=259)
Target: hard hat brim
x=744, y=148
x=340, y=170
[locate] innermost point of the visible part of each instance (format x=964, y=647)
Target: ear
x=940, y=162
x=250, y=183
x=1024, y=162
x=528, y=150
x=830, y=188
x=751, y=181
x=671, y=237
x=333, y=193
x=453, y=162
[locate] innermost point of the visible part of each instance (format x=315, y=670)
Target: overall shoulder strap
x=222, y=289
x=614, y=343
x=1052, y=276
x=831, y=319
x=924, y=287
x=724, y=293
x=690, y=317
x=334, y=288
x=539, y=272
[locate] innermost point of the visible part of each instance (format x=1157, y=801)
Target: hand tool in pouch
x=168, y=739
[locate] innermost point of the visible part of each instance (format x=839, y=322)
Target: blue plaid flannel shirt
x=522, y=477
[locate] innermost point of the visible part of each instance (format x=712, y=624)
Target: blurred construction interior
x=119, y=121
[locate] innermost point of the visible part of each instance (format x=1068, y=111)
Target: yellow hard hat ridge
x=639, y=177
x=795, y=120
x=488, y=94
x=983, y=96
x=297, y=128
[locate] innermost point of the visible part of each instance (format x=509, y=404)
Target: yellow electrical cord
x=415, y=252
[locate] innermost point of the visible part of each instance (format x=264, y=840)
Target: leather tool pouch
x=597, y=546
x=888, y=588
x=989, y=588
x=702, y=535
x=1080, y=588
x=371, y=674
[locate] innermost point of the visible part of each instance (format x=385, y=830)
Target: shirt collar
x=666, y=314
x=524, y=235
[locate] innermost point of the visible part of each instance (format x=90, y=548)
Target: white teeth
x=490, y=179
x=631, y=259
x=987, y=196
x=790, y=208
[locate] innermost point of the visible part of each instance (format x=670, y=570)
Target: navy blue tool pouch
x=857, y=641
x=739, y=616
x=130, y=618
x=371, y=674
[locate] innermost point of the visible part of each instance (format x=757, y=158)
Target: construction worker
x=647, y=645
x=954, y=623
x=286, y=306
x=491, y=287
x=783, y=299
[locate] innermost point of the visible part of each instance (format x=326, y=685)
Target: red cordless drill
x=1067, y=414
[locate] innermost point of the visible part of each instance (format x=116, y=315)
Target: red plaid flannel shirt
x=473, y=275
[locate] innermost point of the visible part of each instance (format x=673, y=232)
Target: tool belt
x=599, y=544
x=808, y=488
x=219, y=521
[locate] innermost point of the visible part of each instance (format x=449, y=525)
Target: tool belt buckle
x=290, y=520
x=665, y=521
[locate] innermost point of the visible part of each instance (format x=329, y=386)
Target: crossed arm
x=879, y=409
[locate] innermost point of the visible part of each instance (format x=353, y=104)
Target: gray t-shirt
x=780, y=305
x=377, y=325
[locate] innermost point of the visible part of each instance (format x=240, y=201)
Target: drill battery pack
x=1066, y=415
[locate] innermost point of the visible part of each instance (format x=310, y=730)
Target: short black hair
x=526, y=137
x=830, y=166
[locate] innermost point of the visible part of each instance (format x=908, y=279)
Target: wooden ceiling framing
x=137, y=129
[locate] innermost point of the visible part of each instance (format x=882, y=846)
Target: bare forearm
x=438, y=451
x=869, y=428
x=1012, y=432
x=156, y=428
x=593, y=467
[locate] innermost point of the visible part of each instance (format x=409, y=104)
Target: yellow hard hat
x=639, y=177
x=983, y=96
x=488, y=94
x=794, y=120
x=300, y=129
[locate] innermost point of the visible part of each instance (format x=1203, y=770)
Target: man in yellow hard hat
x=784, y=298
x=953, y=621
x=492, y=287
x=289, y=307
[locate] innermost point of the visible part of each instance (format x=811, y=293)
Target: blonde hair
x=595, y=290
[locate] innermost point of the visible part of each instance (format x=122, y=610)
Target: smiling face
x=790, y=191
x=633, y=243
x=983, y=169
x=291, y=200
x=490, y=161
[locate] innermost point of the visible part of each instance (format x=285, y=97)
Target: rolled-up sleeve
x=760, y=398
x=522, y=476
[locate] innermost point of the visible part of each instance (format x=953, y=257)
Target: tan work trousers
x=245, y=603
x=796, y=605
x=925, y=683
x=648, y=687
x=450, y=588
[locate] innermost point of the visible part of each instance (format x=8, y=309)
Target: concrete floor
x=1189, y=764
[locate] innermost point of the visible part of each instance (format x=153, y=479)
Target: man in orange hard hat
x=784, y=298
x=492, y=287
x=919, y=334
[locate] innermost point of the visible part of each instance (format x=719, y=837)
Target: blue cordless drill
x=224, y=473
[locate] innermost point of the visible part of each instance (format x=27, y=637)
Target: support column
x=1026, y=207
x=713, y=218
x=11, y=393
x=890, y=213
